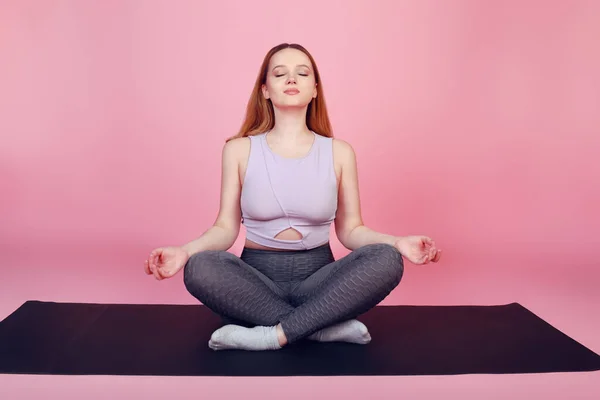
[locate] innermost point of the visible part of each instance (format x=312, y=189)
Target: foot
x=351, y=331
x=238, y=337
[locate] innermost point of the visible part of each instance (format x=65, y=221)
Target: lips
x=291, y=91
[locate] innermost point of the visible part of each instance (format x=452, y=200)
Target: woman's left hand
x=418, y=249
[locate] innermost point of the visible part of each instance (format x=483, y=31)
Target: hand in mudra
x=164, y=262
x=418, y=249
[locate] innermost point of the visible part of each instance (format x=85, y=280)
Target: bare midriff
x=288, y=234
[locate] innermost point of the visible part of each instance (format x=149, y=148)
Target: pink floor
x=558, y=291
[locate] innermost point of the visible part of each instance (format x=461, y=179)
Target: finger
x=151, y=267
x=438, y=256
x=154, y=267
x=157, y=274
x=431, y=253
x=154, y=258
x=156, y=271
x=426, y=241
x=147, y=267
x=165, y=274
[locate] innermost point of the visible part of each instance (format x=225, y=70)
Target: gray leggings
x=304, y=290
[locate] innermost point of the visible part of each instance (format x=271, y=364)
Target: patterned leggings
x=304, y=290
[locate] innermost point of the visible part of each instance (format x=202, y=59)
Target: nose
x=291, y=79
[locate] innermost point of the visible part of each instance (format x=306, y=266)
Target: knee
x=387, y=262
x=200, y=271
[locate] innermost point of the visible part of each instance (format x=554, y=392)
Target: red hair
x=259, y=111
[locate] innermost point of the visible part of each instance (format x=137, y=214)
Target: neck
x=290, y=123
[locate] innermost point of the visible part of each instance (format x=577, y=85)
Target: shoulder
x=236, y=148
x=343, y=150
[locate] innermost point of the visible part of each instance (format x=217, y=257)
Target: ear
x=265, y=92
x=315, y=91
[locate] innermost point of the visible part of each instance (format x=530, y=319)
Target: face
x=290, y=80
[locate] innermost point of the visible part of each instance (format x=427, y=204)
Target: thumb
x=157, y=255
x=163, y=273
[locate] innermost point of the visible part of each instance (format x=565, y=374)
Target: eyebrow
x=301, y=65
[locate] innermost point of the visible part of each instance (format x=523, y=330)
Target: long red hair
x=259, y=111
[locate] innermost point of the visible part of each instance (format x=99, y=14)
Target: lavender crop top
x=279, y=193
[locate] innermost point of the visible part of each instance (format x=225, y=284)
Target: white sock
x=351, y=331
x=239, y=337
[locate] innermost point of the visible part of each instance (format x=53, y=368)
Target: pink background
x=474, y=122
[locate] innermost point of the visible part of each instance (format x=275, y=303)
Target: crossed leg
x=332, y=296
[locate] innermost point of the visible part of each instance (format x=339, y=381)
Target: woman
x=286, y=179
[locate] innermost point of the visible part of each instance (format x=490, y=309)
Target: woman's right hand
x=164, y=262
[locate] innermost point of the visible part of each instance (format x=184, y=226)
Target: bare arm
x=226, y=228
x=349, y=226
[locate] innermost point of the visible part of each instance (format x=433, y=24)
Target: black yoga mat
x=130, y=339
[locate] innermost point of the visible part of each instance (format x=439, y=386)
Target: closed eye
x=280, y=75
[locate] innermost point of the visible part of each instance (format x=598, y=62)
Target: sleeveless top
x=279, y=193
